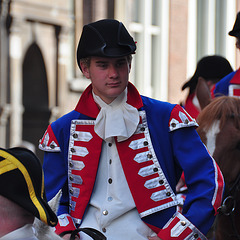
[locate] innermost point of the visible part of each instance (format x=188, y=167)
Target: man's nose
x=113, y=73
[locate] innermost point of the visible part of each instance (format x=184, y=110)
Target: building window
x=149, y=26
x=86, y=11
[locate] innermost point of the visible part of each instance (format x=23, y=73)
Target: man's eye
x=102, y=65
x=121, y=63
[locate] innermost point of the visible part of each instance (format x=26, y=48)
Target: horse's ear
x=203, y=93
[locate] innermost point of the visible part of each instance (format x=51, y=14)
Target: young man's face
x=109, y=76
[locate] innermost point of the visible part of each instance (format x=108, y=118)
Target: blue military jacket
x=166, y=133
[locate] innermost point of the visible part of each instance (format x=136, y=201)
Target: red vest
x=139, y=164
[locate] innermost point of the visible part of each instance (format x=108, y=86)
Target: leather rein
x=229, y=205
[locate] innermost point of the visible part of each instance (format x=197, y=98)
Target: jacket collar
x=87, y=106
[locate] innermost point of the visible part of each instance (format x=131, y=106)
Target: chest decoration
x=180, y=119
x=234, y=85
x=234, y=90
x=147, y=182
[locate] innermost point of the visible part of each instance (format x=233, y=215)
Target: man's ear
x=85, y=70
x=129, y=67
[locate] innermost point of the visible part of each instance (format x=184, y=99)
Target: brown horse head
x=219, y=129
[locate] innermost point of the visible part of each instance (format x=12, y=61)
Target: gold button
x=195, y=235
x=105, y=212
x=183, y=223
x=75, y=135
x=149, y=155
x=161, y=181
x=168, y=194
x=52, y=146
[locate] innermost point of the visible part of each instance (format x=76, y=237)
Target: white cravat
x=117, y=119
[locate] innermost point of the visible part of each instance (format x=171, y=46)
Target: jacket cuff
x=65, y=224
x=179, y=227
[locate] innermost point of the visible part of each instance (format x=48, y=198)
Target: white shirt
x=24, y=233
x=112, y=209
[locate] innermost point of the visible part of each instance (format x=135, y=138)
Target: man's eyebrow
x=121, y=59
x=101, y=61
x=106, y=61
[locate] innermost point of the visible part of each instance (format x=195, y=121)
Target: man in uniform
x=118, y=156
x=210, y=69
x=22, y=195
x=230, y=85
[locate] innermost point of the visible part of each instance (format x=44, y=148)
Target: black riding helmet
x=105, y=38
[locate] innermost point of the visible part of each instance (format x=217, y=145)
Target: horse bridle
x=227, y=208
x=93, y=233
x=229, y=204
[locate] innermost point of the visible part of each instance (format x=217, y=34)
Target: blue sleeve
x=55, y=164
x=55, y=173
x=203, y=178
x=221, y=87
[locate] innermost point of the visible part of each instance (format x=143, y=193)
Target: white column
x=164, y=50
x=192, y=38
x=211, y=26
x=147, y=42
x=16, y=89
x=3, y=74
x=230, y=41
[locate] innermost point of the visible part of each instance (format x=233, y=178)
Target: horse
x=219, y=130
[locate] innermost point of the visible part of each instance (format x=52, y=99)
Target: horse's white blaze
x=211, y=136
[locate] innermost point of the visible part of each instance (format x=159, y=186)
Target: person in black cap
x=230, y=84
x=210, y=69
x=118, y=155
x=22, y=194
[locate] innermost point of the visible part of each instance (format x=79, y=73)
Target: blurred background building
x=39, y=77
